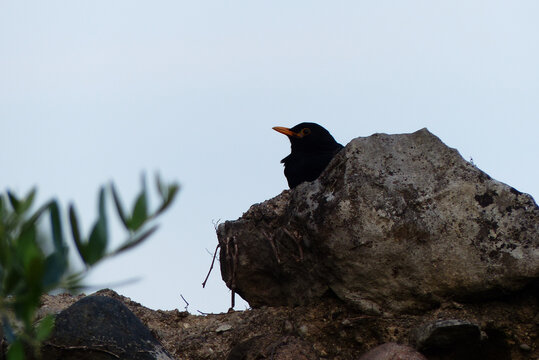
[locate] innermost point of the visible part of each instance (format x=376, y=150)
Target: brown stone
x=393, y=351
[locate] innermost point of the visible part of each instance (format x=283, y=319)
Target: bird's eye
x=305, y=131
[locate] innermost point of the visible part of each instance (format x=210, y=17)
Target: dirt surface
x=327, y=330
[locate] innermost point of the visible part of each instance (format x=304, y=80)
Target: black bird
x=313, y=147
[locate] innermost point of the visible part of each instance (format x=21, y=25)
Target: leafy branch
x=28, y=270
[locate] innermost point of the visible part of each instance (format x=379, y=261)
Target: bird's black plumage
x=313, y=147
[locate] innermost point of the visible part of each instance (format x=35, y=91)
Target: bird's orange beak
x=286, y=131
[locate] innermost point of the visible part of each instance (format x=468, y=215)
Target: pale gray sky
x=103, y=90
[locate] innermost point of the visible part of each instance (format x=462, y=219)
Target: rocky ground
x=331, y=330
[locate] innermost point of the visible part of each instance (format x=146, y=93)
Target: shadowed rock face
x=395, y=223
x=101, y=328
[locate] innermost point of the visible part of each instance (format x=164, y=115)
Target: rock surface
x=273, y=347
x=393, y=351
x=396, y=223
x=99, y=327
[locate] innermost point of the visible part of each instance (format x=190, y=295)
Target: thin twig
x=229, y=262
x=233, y=260
x=272, y=243
x=211, y=267
x=235, y=257
x=216, y=224
x=186, y=303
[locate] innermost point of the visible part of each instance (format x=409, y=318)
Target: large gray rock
x=395, y=223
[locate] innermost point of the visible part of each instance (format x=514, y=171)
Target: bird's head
x=307, y=137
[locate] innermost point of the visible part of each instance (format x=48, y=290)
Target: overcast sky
x=93, y=91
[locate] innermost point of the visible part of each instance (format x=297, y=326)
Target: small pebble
x=303, y=330
x=223, y=328
x=288, y=326
x=525, y=347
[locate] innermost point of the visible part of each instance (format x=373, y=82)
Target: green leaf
x=56, y=225
x=161, y=189
x=16, y=351
x=172, y=191
x=140, y=210
x=27, y=202
x=33, y=219
x=54, y=269
x=34, y=273
x=56, y=263
x=81, y=247
x=136, y=240
x=97, y=243
x=27, y=248
x=25, y=308
x=44, y=328
x=167, y=193
x=2, y=206
x=13, y=280
x=15, y=202
x=119, y=207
